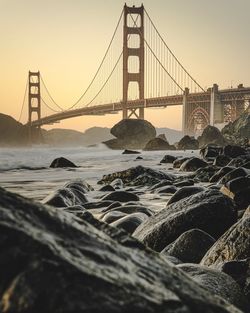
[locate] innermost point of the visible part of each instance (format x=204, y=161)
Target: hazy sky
x=66, y=40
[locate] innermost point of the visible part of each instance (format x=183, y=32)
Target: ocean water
x=26, y=171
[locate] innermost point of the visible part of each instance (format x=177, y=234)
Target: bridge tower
x=128, y=77
x=34, y=99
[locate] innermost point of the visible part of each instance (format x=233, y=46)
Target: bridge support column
x=34, y=103
x=185, y=112
x=128, y=77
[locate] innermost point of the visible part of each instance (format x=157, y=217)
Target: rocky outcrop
x=188, y=143
x=208, y=210
x=158, y=144
x=211, y=135
x=131, y=134
x=53, y=261
x=238, y=132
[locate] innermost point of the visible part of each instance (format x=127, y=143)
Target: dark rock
x=112, y=216
x=240, y=161
x=98, y=204
x=117, y=183
x=208, y=210
x=144, y=180
x=79, y=185
x=158, y=144
x=126, y=151
x=162, y=183
x=233, y=245
x=188, y=143
x=238, y=132
x=185, y=192
x=132, y=208
x=190, y=246
x=166, y=189
x=131, y=134
x=132, y=173
x=192, y=164
x=121, y=196
x=235, y=173
x=65, y=197
x=168, y=159
x=220, y=173
x=233, y=151
x=171, y=259
x=185, y=182
x=107, y=188
x=52, y=261
x=162, y=136
x=62, y=162
x=210, y=152
x=217, y=283
x=221, y=160
x=130, y=222
x=204, y=174
x=139, y=158
x=178, y=162
x=211, y=135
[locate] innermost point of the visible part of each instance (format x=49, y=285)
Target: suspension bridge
x=138, y=71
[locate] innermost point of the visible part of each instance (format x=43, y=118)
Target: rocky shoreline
x=114, y=254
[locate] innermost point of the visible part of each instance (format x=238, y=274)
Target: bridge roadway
x=225, y=95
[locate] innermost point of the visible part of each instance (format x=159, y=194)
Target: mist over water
x=27, y=171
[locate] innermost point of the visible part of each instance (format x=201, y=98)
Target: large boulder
x=131, y=134
x=217, y=283
x=191, y=246
x=233, y=245
x=238, y=132
x=158, y=144
x=53, y=261
x=208, y=210
x=188, y=143
x=211, y=135
x=192, y=164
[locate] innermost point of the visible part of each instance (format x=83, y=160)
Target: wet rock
x=235, y=173
x=166, y=189
x=239, y=190
x=210, y=152
x=171, y=259
x=238, y=132
x=79, y=185
x=158, y=144
x=65, y=197
x=185, y=182
x=168, y=159
x=241, y=161
x=131, y=134
x=126, y=151
x=217, y=283
x=208, y=210
x=112, y=216
x=132, y=173
x=233, y=151
x=139, y=158
x=144, y=180
x=62, y=162
x=220, y=173
x=185, y=192
x=162, y=183
x=121, y=196
x=204, y=174
x=98, y=204
x=52, y=261
x=231, y=246
x=178, y=162
x=190, y=246
x=130, y=222
x=221, y=160
x=188, y=143
x=192, y=164
x=107, y=188
x=132, y=208
x=211, y=135
x=117, y=183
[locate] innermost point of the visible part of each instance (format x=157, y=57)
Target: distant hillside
x=69, y=137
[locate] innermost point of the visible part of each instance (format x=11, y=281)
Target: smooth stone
x=62, y=162
x=130, y=222
x=107, y=188
x=168, y=159
x=112, y=216
x=185, y=192
x=121, y=196
x=192, y=164
x=127, y=151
